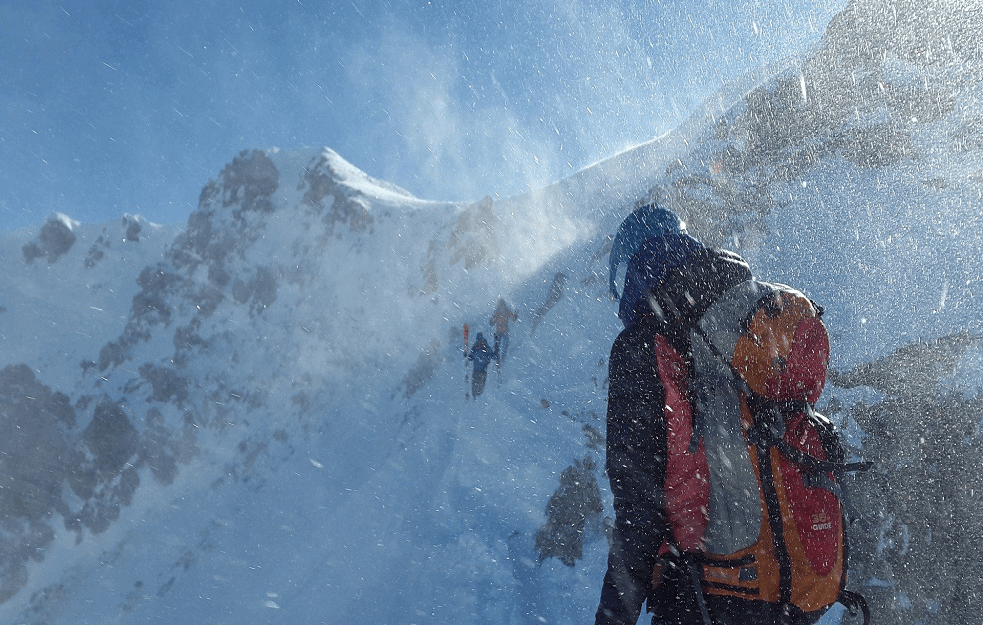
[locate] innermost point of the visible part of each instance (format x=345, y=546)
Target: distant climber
x=554, y=295
x=500, y=320
x=481, y=355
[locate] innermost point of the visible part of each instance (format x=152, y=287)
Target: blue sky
x=131, y=107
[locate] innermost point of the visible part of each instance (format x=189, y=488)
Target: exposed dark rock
x=133, y=228
x=54, y=240
x=35, y=459
x=150, y=305
x=919, y=510
x=571, y=512
x=914, y=368
x=168, y=386
x=259, y=291
x=340, y=206
x=110, y=437
x=877, y=146
x=112, y=354
x=424, y=369
x=553, y=295
x=248, y=182
x=34, y=449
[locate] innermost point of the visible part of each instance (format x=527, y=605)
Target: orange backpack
x=753, y=470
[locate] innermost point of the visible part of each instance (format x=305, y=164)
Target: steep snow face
x=302, y=305
x=268, y=423
x=66, y=290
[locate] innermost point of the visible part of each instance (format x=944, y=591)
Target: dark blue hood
x=649, y=265
x=646, y=222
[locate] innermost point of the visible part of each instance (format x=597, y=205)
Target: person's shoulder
x=688, y=291
x=713, y=268
x=639, y=334
x=717, y=256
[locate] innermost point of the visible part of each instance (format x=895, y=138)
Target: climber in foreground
x=724, y=476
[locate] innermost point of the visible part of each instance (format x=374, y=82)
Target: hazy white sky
x=131, y=107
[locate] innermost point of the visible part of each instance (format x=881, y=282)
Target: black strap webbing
x=854, y=602
x=694, y=576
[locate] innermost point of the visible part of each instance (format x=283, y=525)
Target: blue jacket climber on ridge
x=481, y=355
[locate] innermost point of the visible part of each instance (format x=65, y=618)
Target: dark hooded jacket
x=481, y=354
x=636, y=424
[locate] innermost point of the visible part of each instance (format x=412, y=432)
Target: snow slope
x=260, y=417
x=63, y=306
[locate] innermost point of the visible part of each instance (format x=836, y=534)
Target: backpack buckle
x=769, y=422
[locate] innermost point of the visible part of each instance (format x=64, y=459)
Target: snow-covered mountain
x=260, y=417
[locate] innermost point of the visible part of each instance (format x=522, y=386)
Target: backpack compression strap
x=767, y=432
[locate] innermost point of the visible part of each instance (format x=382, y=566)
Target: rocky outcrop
x=54, y=240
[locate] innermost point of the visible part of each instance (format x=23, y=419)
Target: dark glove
x=673, y=600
